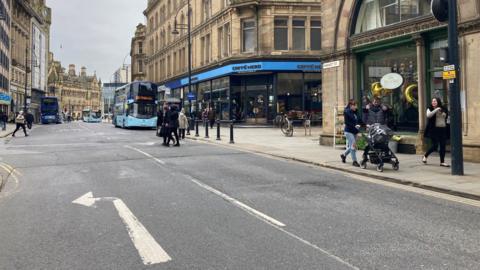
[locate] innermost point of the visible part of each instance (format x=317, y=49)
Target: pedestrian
x=29, y=119
x=436, y=130
x=20, y=121
x=173, y=126
x=3, y=120
x=163, y=122
x=211, y=117
x=182, y=123
x=375, y=113
x=351, y=130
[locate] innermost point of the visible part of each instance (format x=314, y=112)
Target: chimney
x=71, y=70
x=83, y=73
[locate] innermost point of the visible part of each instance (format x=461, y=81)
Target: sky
x=94, y=33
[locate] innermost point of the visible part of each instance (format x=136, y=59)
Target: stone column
x=422, y=103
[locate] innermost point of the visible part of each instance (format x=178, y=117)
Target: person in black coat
x=162, y=124
x=173, y=123
x=30, y=119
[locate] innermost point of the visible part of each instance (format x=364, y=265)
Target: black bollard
x=218, y=130
x=206, y=130
x=231, y=133
x=197, y=133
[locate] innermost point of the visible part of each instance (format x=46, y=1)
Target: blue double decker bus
x=49, y=110
x=136, y=105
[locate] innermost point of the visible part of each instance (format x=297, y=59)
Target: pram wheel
x=396, y=166
x=363, y=164
x=380, y=168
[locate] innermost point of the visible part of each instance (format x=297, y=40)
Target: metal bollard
x=206, y=130
x=218, y=130
x=231, y=133
x=197, y=134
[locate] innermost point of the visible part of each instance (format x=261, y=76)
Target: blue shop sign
x=248, y=68
x=5, y=99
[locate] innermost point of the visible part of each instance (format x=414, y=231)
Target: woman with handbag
x=437, y=130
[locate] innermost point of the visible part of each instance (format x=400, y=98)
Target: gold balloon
x=408, y=93
x=377, y=89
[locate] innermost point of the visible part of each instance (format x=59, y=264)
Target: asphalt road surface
x=90, y=196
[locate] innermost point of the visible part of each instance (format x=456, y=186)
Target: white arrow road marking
x=149, y=250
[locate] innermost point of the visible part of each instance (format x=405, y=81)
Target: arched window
x=374, y=14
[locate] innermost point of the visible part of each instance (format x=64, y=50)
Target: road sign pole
x=454, y=93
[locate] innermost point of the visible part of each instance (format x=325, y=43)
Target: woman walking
x=436, y=130
x=20, y=121
x=351, y=131
x=182, y=123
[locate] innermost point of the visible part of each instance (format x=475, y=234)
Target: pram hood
x=378, y=133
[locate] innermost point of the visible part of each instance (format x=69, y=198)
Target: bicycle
x=286, y=125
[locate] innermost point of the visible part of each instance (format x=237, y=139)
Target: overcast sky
x=94, y=33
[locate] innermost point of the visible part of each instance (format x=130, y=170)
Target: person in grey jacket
x=375, y=113
x=437, y=130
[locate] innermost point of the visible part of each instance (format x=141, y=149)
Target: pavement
x=91, y=196
x=8, y=131
x=307, y=149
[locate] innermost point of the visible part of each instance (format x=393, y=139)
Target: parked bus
x=49, y=111
x=136, y=105
x=90, y=116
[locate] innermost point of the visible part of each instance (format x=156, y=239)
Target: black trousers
x=175, y=133
x=18, y=127
x=182, y=133
x=212, y=122
x=436, y=142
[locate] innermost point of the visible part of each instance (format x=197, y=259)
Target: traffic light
x=440, y=10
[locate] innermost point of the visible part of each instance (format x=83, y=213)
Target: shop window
x=313, y=96
x=204, y=94
x=315, y=34
x=438, y=86
x=281, y=34
x=403, y=101
x=374, y=14
x=220, y=97
x=249, y=36
x=298, y=38
x=289, y=93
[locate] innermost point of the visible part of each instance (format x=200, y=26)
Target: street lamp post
x=175, y=31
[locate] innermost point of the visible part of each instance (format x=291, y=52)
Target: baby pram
x=377, y=150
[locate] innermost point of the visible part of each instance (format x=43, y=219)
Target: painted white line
x=237, y=203
x=268, y=220
x=146, y=154
x=149, y=250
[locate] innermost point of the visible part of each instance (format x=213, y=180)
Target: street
x=91, y=196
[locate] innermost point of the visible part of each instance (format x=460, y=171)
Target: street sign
x=331, y=64
x=191, y=96
x=449, y=72
x=449, y=75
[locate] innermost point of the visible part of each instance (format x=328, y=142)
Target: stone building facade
x=5, y=61
x=369, y=39
x=30, y=37
x=239, y=69
x=137, y=54
x=76, y=92
x=253, y=60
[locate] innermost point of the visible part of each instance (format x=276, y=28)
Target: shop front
x=415, y=59
x=253, y=92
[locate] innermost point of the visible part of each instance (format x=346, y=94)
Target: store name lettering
x=309, y=67
x=246, y=67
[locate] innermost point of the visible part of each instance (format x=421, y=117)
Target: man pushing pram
x=378, y=136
